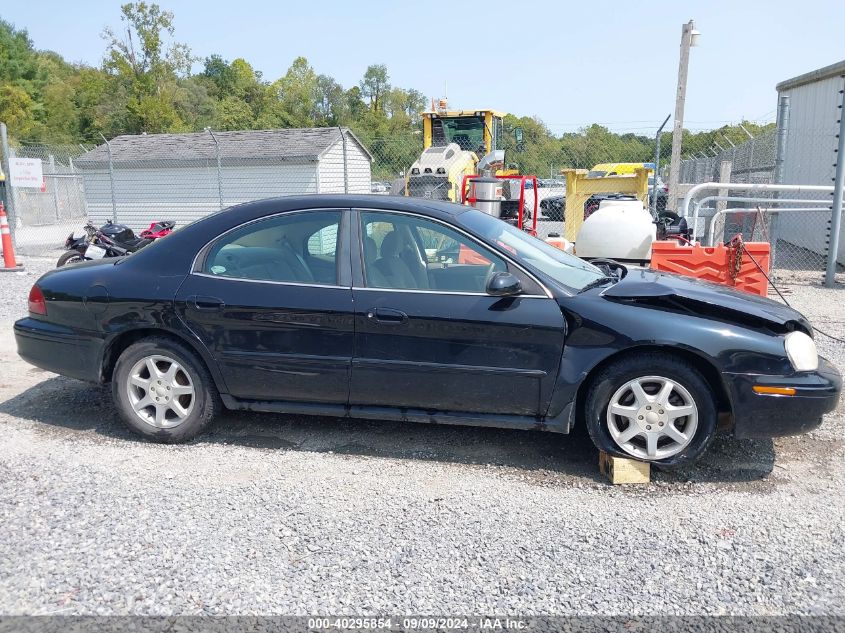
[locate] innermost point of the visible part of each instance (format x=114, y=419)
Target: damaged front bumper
x=772, y=415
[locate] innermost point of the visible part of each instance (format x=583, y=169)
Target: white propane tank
x=619, y=229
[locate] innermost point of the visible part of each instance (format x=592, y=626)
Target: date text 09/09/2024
x=418, y=623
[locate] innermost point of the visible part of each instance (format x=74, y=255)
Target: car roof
x=185, y=242
x=359, y=201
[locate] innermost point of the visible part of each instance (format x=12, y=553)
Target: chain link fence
x=797, y=224
x=47, y=214
x=751, y=162
x=136, y=180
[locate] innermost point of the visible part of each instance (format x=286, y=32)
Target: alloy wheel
x=161, y=391
x=652, y=417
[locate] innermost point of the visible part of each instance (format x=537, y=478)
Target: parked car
x=553, y=207
x=340, y=306
x=551, y=196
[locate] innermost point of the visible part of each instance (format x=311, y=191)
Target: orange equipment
x=732, y=264
x=6, y=234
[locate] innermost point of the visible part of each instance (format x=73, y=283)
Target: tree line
x=145, y=83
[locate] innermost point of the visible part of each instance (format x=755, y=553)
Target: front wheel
x=71, y=257
x=654, y=407
x=163, y=391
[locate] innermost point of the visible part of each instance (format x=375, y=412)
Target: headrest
x=391, y=245
x=370, y=248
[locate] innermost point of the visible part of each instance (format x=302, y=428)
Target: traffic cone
x=9, y=262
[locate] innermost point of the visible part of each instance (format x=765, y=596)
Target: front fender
x=603, y=330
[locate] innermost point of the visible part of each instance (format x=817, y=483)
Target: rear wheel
x=163, y=391
x=71, y=257
x=654, y=407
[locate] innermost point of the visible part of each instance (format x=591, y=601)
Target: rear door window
x=292, y=247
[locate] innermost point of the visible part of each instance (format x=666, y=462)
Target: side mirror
x=503, y=285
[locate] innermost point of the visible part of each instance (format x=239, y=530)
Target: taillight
x=37, y=304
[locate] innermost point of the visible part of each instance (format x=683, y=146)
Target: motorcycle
x=111, y=240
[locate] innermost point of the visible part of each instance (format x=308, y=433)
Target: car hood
x=703, y=298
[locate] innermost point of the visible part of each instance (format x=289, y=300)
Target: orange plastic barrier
x=718, y=264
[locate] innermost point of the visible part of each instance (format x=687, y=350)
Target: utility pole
x=689, y=38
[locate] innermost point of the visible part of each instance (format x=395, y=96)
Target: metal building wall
x=810, y=155
x=184, y=194
x=357, y=163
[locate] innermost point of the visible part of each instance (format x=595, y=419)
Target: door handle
x=387, y=316
x=206, y=303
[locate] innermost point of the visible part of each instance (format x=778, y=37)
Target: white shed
x=810, y=151
x=183, y=177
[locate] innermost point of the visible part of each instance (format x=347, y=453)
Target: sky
x=568, y=63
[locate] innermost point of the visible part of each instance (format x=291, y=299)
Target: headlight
x=801, y=350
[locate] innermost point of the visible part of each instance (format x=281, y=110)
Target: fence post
x=725, y=169
x=10, y=192
x=783, y=130
x=838, y=190
x=657, y=166
x=780, y=161
x=52, y=163
x=219, y=168
x=345, y=166
x=111, y=181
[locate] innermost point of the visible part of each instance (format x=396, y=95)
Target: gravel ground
x=291, y=515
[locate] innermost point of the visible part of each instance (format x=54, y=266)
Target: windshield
x=467, y=131
x=596, y=173
x=573, y=272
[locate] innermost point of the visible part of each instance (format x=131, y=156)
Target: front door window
x=411, y=253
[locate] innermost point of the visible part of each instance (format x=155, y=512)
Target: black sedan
x=346, y=306
x=553, y=208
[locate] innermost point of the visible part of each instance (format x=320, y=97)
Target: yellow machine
x=478, y=131
x=603, y=170
x=453, y=143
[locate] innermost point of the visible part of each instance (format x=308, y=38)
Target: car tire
x=651, y=427
x=163, y=391
x=71, y=257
